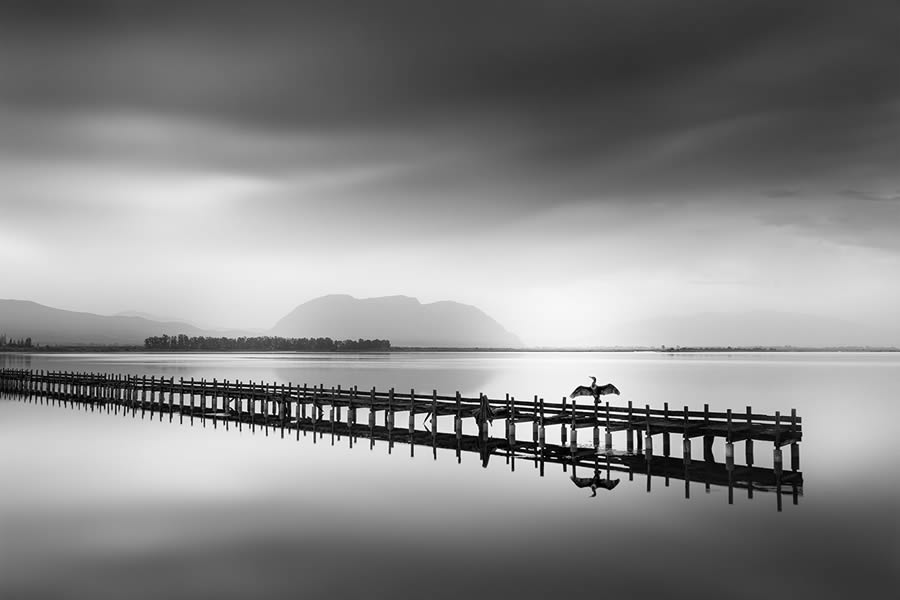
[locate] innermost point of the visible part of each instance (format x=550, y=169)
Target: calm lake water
x=99, y=506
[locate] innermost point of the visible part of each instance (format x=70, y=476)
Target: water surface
x=95, y=505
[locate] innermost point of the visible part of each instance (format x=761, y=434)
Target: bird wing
x=581, y=482
x=581, y=390
x=607, y=389
x=607, y=484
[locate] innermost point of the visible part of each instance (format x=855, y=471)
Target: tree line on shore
x=6, y=342
x=262, y=343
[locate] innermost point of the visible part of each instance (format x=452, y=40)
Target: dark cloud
x=308, y=64
x=579, y=99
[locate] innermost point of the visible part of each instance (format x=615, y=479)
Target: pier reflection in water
x=353, y=415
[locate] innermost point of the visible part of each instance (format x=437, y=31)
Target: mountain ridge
x=439, y=324
x=56, y=326
x=403, y=320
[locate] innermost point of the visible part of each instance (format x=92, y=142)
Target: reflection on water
x=595, y=482
x=100, y=506
x=15, y=361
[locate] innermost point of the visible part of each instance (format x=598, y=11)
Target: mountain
x=753, y=328
x=403, y=320
x=45, y=325
x=209, y=329
x=153, y=317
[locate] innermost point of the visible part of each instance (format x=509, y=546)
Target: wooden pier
x=336, y=411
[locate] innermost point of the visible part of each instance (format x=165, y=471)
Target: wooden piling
x=630, y=431
x=181, y=400
x=239, y=404
x=608, y=440
x=457, y=423
x=542, y=436
x=776, y=458
x=748, y=444
x=226, y=403
x=351, y=415
x=412, y=422
x=434, y=423
x=172, y=399
x=640, y=442
x=649, y=444
x=729, y=446
x=708, y=440
x=389, y=412
x=512, y=433
x=251, y=405
x=336, y=402
x=457, y=427
x=666, y=436
x=795, y=447
x=315, y=414
x=412, y=412
x=214, y=401
x=157, y=401
x=573, y=447
x=512, y=422
x=300, y=411
x=193, y=405
x=484, y=424
x=389, y=420
x=143, y=395
x=303, y=406
x=506, y=424
x=331, y=415
x=203, y=402
x=372, y=419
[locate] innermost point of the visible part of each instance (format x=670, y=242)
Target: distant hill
x=210, y=329
x=401, y=319
x=154, y=317
x=45, y=325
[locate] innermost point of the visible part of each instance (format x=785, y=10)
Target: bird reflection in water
x=594, y=482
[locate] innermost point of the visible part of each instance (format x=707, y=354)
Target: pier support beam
x=795, y=456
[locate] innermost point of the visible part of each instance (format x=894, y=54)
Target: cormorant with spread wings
x=594, y=390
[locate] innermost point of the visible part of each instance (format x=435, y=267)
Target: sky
x=575, y=168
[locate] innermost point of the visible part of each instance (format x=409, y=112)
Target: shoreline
x=115, y=349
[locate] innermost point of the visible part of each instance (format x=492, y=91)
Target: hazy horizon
x=570, y=171
x=744, y=330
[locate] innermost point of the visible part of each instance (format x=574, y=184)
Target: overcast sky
x=566, y=165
